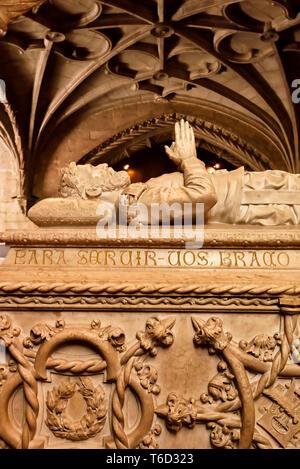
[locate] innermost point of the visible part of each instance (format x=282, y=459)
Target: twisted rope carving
x=30, y=392
x=76, y=367
x=164, y=288
x=118, y=420
x=280, y=359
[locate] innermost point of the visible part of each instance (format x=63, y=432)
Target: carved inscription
x=155, y=258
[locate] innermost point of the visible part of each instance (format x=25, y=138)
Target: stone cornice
x=221, y=236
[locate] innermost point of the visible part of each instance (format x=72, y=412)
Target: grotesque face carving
x=88, y=182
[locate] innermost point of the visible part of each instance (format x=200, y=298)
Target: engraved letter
x=202, y=258
x=283, y=259
x=268, y=259
x=254, y=259
x=151, y=255
x=225, y=259
x=20, y=254
x=109, y=255
x=82, y=259
x=47, y=256
x=61, y=257
x=129, y=262
x=178, y=258
x=239, y=256
x=186, y=260
x=32, y=259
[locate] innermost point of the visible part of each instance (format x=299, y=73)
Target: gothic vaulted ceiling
x=94, y=81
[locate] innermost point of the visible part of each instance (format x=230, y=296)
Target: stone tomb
x=146, y=344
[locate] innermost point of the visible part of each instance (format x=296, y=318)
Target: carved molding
x=233, y=236
x=159, y=289
x=145, y=302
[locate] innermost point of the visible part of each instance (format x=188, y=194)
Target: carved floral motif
x=5, y=371
x=7, y=332
x=223, y=437
x=41, y=332
x=157, y=332
x=114, y=335
x=211, y=333
x=178, y=411
x=221, y=386
x=261, y=347
x=148, y=376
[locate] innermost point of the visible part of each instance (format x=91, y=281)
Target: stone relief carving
x=281, y=419
x=90, y=424
x=213, y=238
x=221, y=386
x=89, y=182
x=226, y=408
x=254, y=289
x=259, y=198
x=126, y=367
x=139, y=301
x=261, y=347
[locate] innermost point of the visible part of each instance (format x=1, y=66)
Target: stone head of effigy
x=89, y=182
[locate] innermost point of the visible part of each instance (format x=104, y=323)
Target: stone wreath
x=94, y=418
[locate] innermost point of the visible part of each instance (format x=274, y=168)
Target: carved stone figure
x=240, y=197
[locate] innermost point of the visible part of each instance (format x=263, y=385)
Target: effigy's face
x=104, y=177
x=89, y=182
